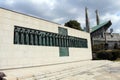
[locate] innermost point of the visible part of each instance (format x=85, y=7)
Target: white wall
x=12, y=56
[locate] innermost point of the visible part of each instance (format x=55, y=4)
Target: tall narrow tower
x=87, y=21
x=97, y=18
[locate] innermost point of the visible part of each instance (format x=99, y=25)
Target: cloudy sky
x=61, y=11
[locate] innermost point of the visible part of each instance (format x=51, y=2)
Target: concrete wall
x=14, y=56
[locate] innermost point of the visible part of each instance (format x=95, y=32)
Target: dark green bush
x=116, y=46
x=108, y=54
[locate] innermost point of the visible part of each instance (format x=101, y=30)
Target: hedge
x=108, y=54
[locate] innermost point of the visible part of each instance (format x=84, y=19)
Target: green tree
x=73, y=24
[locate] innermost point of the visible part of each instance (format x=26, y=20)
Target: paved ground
x=105, y=72
x=108, y=71
x=83, y=70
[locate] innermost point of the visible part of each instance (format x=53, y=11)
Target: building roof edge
x=30, y=15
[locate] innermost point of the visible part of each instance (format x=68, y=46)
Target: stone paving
x=109, y=71
x=83, y=70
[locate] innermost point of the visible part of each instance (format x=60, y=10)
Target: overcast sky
x=61, y=11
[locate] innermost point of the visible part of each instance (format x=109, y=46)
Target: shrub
x=116, y=46
x=108, y=54
x=116, y=54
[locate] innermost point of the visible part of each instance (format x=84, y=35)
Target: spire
x=87, y=21
x=97, y=18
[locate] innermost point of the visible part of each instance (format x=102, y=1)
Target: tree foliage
x=73, y=24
